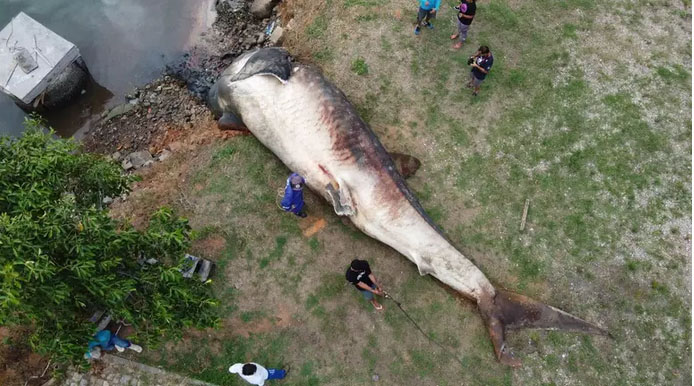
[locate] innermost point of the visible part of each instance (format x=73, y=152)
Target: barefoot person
x=359, y=274
x=427, y=10
x=466, y=12
x=256, y=374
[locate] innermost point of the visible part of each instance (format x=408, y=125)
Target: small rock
x=148, y=163
x=118, y=111
x=83, y=92
x=138, y=158
x=276, y=36
x=126, y=165
x=260, y=39
x=134, y=101
x=116, y=156
x=175, y=146
x=262, y=8
x=164, y=155
x=107, y=200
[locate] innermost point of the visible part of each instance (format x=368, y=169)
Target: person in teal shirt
x=427, y=10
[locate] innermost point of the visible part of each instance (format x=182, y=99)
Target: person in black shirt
x=466, y=12
x=480, y=64
x=359, y=274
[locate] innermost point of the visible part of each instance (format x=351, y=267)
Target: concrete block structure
x=37, y=66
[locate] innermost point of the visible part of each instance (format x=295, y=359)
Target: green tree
x=62, y=257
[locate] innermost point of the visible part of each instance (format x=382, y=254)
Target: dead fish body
x=311, y=126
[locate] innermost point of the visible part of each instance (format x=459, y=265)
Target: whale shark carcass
x=311, y=126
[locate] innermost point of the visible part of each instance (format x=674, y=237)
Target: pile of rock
x=146, y=116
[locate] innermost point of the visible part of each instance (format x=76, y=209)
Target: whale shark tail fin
x=510, y=311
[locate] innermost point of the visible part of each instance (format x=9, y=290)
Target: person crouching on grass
x=427, y=10
x=293, y=200
x=359, y=274
x=480, y=64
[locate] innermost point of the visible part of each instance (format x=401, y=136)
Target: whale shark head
x=272, y=61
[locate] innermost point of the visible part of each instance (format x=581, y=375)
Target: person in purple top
x=427, y=10
x=293, y=200
x=466, y=12
x=480, y=64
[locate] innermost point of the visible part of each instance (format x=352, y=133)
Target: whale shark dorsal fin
x=405, y=164
x=272, y=61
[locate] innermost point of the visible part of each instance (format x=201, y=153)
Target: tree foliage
x=62, y=257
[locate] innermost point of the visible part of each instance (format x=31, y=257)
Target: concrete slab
x=51, y=52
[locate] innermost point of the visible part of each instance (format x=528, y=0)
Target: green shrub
x=62, y=257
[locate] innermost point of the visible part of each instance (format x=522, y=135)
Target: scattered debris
x=196, y=265
x=276, y=36
x=525, y=214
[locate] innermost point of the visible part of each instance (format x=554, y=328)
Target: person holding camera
x=427, y=10
x=480, y=64
x=466, y=12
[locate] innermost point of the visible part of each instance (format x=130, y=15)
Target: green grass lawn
x=586, y=113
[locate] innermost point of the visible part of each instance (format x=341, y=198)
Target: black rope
x=444, y=348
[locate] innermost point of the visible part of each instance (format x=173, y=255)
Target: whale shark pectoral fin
x=229, y=121
x=341, y=202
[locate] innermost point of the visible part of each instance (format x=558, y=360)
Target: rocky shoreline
x=158, y=117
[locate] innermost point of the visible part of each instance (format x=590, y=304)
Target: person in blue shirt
x=427, y=10
x=104, y=340
x=480, y=64
x=293, y=200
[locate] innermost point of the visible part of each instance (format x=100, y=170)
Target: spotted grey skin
x=313, y=128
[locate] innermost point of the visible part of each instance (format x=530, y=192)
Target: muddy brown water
x=125, y=43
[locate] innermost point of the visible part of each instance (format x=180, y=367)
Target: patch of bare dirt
x=18, y=364
x=212, y=245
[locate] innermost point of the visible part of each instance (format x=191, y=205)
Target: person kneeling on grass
x=480, y=64
x=256, y=374
x=359, y=274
